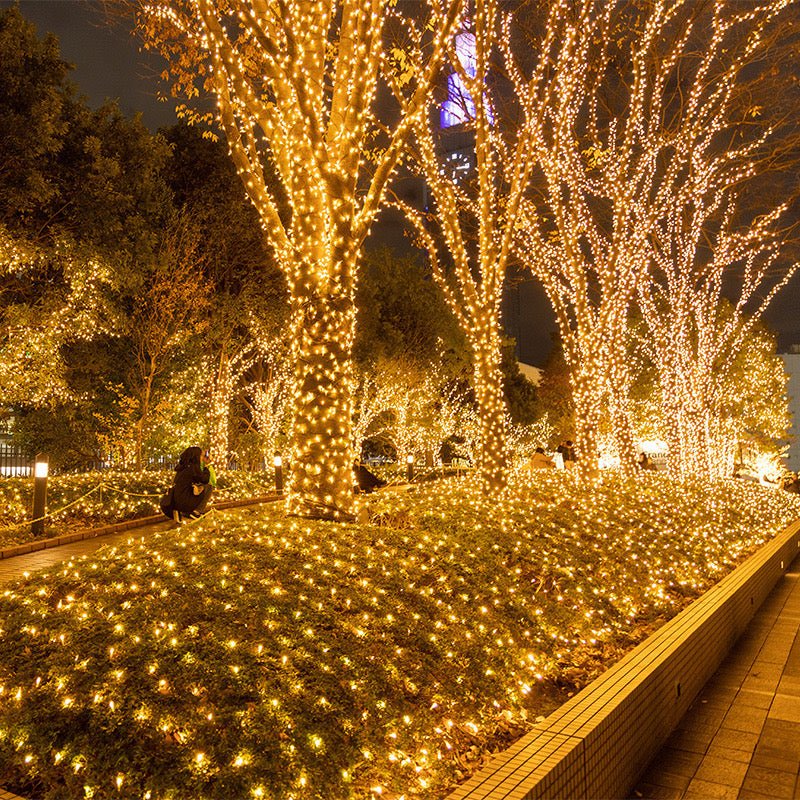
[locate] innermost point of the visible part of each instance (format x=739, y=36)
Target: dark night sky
x=109, y=63
x=108, y=60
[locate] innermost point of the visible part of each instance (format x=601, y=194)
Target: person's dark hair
x=191, y=455
x=540, y=449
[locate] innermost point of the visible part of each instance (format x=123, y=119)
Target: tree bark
x=492, y=454
x=586, y=399
x=321, y=484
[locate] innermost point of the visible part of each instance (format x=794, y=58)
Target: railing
x=14, y=461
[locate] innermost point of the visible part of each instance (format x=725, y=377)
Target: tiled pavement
x=11, y=568
x=740, y=740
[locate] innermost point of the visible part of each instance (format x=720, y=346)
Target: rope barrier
x=99, y=487
x=126, y=492
x=52, y=513
x=395, y=481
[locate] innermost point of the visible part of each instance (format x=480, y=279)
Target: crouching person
x=194, y=483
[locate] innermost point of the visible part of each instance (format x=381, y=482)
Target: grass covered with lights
x=104, y=497
x=257, y=656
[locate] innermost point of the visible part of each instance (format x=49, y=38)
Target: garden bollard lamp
x=278, y=474
x=409, y=468
x=41, y=468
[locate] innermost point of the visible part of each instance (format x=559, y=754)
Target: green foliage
x=315, y=660
x=69, y=438
x=34, y=94
x=521, y=395
x=97, y=498
x=236, y=254
x=554, y=395
x=754, y=396
x=402, y=314
x=117, y=195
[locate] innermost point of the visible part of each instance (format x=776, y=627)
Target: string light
x=267, y=654
x=620, y=178
x=76, y=500
x=490, y=204
x=414, y=408
x=295, y=91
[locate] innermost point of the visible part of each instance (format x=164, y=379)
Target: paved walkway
x=740, y=739
x=11, y=568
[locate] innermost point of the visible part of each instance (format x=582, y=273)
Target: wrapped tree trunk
x=586, y=398
x=295, y=88
x=492, y=412
x=322, y=459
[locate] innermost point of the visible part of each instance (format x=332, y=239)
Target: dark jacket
x=184, y=498
x=366, y=480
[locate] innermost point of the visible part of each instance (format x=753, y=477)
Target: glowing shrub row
x=258, y=656
x=104, y=497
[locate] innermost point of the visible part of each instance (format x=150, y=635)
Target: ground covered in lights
x=260, y=656
x=94, y=498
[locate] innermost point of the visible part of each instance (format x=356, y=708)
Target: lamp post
x=41, y=469
x=409, y=468
x=278, y=474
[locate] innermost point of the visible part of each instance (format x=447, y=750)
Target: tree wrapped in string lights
x=718, y=241
x=41, y=316
x=698, y=339
x=295, y=85
x=267, y=388
x=626, y=103
x=477, y=218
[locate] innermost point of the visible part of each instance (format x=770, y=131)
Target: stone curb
x=118, y=527
x=597, y=744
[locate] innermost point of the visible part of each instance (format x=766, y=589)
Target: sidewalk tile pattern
x=741, y=737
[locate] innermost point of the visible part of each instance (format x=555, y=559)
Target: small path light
x=278, y=474
x=409, y=468
x=41, y=469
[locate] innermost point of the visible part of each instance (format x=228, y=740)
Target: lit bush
x=257, y=656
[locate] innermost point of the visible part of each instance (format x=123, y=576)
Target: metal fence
x=14, y=461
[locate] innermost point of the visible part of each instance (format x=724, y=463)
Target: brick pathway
x=740, y=740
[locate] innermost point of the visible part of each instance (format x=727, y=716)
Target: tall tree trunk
x=586, y=400
x=621, y=423
x=143, y=419
x=322, y=459
x=618, y=382
x=492, y=454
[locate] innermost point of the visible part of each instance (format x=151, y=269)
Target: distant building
x=533, y=374
x=791, y=362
